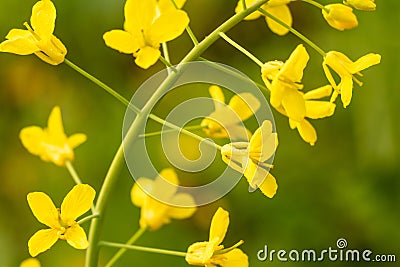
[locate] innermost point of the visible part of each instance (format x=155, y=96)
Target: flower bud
x=340, y=17
x=366, y=5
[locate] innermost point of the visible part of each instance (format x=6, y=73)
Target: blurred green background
x=347, y=186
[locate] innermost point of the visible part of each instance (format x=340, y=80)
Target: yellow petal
x=245, y=105
x=233, y=160
x=55, y=125
x=32, y=138
x=263, y=143
x=254, y=172
x=77, y=202
x=41, y=241
x=307, y=132
x=122, y=41
x=43, y=18
x=168, y=26
x=182, y=212
x=20, y=42
x=197, y=254
x=319, y=109
x=165, y=185
x=365, y=62
x=318, y=93
x=294, y=105
x=76, y=237
x=153, y=214
x=139, y=14
x=281, y=12
x=31, y=262
x=43, y=209
x=366, y=5
x=75, y=140
x=269, y=186
x=219, y=225
x=217, y=96
x=147, y=56
x=138, y=195
x=340, y=17
x=239, y=8
x=293, y=68
x=235, y=258
x=346, y=90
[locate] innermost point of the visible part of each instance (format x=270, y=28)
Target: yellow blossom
x=286, y=83
x=155, y=213
x=277, y=8
x=61, y=221
x=315, y=109
x=39, y=39
x=211, y=253
x=31, y=262
x=340, y=17
x=249, y=158
x=226, y=120
x=345, y=68
x=145, y=28
x=366, y=5
x=51, y=144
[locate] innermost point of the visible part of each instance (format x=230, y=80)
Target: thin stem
x=186, y=132
x=194, y=127
x=107, y=88
x=316, y=4
x=234, y=73
x=241, y=49
x=118, y=161
x=144, y=249
x=188, y=29
x=88, y=218
x=295, y=32
x=73, y=172
x=121, y=251
x=244, y=4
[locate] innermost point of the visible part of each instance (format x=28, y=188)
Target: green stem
x=88, y=218
x=73, y=173
x=194, y=127
x=241, y=49
x=295, y=32
x=92, y=252
x=144, y=249
x=107, y=88
x=244, y=4
x=316, y=4
x=184, y=131
x=120, y=252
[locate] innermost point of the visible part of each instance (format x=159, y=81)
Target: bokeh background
x=346, y=186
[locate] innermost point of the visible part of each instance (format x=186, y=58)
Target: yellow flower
x=366, y=5
x=154, y=213
x=51, y=144
x=286, y=83
x=340, y=17
x=345, y=68
x=145, y=28
x=211, y=253
x=61, y=221
x=315, y=109
x=39, y=39
x=226, y=120
x=31, y=262
x=277, y=8
x=249, y=158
